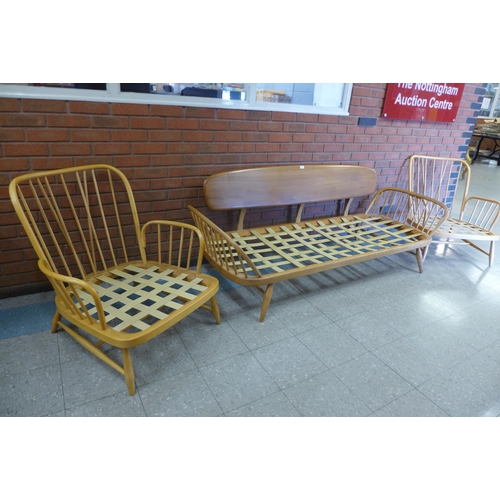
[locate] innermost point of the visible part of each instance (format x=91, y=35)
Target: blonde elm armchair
x=437, y=177
x=115, y=282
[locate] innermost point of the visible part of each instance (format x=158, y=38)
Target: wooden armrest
x=482, y=212
x=422, y=212
x=221, y=249
x=68, y=291
x=174, y=243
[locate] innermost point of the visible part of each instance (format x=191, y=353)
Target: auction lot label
x=435, y=102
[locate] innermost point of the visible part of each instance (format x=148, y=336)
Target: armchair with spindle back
x=437, y=177
x=110, y=287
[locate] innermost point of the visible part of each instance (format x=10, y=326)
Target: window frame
x=114, y=94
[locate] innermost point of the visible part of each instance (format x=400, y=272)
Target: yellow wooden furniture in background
x=115, y=282
x=438, y=178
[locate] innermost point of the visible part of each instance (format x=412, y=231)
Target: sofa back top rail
x=287, y=185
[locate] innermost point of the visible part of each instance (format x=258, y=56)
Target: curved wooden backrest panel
x=287, y=185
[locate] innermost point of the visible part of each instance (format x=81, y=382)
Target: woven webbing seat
x=135, y=297
x=115, y=282
x=395, y=221
x=295, y=246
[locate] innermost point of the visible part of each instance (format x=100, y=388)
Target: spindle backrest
x=80, y=220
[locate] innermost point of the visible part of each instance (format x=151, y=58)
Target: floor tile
x=458, y=397
x=334, y=304
x=255, y=334
x=476, y=330
x=27, y=300
x=431, y=307
x=210, y=346
x=409, y=361
x=411, y=404
x=87, y=379
x=369, y=330
x=200, y=319
x=332, y=345
x=118, y=405
x=161, y=357
x=493, y=351
x=399, y=317
x=238, y=301
x=405, y=282
x=183, y=395
x=489, y=311
x=481, y=371
x=361, y=291
x=490, y=279
x=289, y=361
x=274, y=405
x=441, y=346
x=300, y=316
x=325, y=396
x=372, y=381
x=237, y=381
x=27, y=352
x=27, y=319
x=34, y=393
x=395, y=286
x=61, y=413
x=460, y=295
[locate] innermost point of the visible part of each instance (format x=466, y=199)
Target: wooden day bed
x=396, y=220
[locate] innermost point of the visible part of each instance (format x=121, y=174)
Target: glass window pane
x=322, y=98
x=488, y=99
x=88, y=86
x=307, y=94
x=226, y=91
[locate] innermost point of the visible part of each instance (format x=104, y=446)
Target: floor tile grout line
x=60, y=370
x=279, y=391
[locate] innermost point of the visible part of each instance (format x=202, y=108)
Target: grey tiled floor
x=374, y=339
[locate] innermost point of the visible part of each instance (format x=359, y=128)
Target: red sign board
x=435, y=102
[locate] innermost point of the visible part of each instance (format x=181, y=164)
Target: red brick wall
x=168, y=151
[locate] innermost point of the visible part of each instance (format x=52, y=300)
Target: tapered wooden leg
x=215, y=309
x=129, y=371
x=425, y=250
x=55, y=321
x=420, y=260
x=265, y=303
x=491, y=255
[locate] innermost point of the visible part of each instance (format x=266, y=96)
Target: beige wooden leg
x=55, y=321
x=215, y=309
x=420, y=260
x=425, y=250
x=265, y=303
x=491, y=255
x=129, y=371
